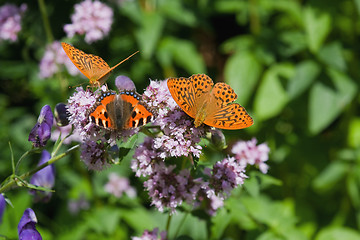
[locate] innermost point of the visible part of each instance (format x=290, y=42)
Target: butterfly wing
x=99, y=115
x=139, y=114
x=189, y=93
x=93, y=67
x=222, y=113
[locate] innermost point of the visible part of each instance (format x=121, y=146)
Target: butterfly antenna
x=77, y=85
x=124, y=60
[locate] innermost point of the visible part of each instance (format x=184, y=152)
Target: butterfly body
x=92, y=66
x=207, y=103
x=119, y=111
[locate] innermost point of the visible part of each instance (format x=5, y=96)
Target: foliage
x=294, y=66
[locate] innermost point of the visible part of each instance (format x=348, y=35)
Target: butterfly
x=212, y=105
x=93, y=67
x=119, y=111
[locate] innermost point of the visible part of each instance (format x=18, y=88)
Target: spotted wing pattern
x=213, y=105
x=93, y=67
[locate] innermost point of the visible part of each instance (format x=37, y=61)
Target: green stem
x=168, y=223
x=13, y=180
x=46, y=22
x=180, y=225
x=23, y=156
x=12, y=159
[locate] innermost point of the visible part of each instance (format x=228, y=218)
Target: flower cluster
x=173, y=138
x=10, y=21
x=247, y=152
x=53, y=59
x=152, y=235
x=118, y=185
x=91, y=18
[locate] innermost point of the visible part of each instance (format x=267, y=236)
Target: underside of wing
x=232, y=116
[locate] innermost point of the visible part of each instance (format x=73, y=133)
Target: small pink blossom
x=118, y=185
x=10, y=21
x=92, y=18
x=54, y=59
x=247, y=152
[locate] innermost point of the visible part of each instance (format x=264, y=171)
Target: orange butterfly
x=93, y=67
x=200, y=99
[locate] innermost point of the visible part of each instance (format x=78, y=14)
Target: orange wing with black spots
x=212, y=105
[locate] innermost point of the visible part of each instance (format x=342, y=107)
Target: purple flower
x=53, y=59
x=180, y=137
x=124, y=83
x=118, y=185
x=10, y=21
x=2, y=206
x=26, y=227
x=225, y=176
x=94, y=155
x=41, y=132
x=75, y=206
x=91, y=18
x=246, y=152
x=65, y=131
x=61, y=114
x=207, y=198
x=151, y=235
x=78, y=104
x=168, y=189
x=145, y=157
x=43, y=178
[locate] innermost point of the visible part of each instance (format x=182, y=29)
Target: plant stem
x=13, y=180
x=46, y=22
x=168, y=223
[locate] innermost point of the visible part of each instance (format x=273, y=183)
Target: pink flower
x=246, y=152
x=92, y=18
x=169, y=189
x=94, y=155
x=53, y=60
x=10, y=21
x=151, y=235
x=118, y=185
x=226, y=175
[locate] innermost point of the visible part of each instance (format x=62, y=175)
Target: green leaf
x=327, y=103
x=354, y=133
x=109, y=219
x=352, y=185
x=183, y=53
x=219, y=223
x=332, y=55
x=149, y=33
x=317, y=25
x=242, y=72
x=305, y=73
x=335, y=233
x=175, y=10
x=331, y=175
x=271, y=97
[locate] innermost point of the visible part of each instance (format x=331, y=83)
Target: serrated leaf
x=242, y=72
x=305, y=73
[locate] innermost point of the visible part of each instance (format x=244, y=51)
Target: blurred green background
x=295, y=67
